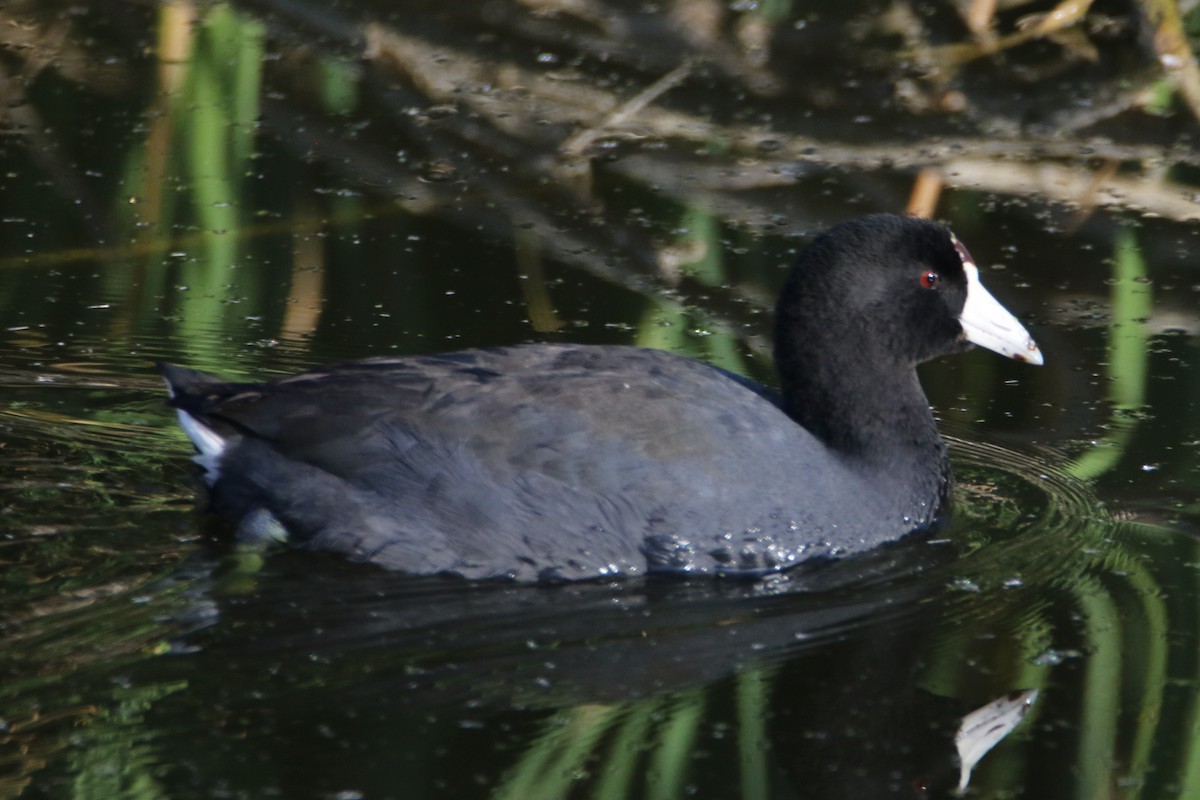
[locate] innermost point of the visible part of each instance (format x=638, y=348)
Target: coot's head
x=886, y=291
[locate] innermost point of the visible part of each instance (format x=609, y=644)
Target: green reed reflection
x=617, y=776
x=599, y=749
x=1128, y=365
x=753, y=690
x=668, y=324
x=113, y=758
x=188, y=187
x=557, y=758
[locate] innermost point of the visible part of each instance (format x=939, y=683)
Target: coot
x=564, y=461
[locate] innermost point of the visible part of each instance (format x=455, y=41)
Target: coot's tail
x=192, y=392
x=184, y=382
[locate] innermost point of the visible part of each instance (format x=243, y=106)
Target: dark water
x=241, y=190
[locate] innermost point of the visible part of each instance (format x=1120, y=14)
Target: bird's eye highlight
x=930, y=279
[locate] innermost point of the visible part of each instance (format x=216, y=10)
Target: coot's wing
x=565, y=411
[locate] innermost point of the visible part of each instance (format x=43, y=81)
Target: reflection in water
x=835, y=679
x=1127, y=357
x=267, y=186
x=984, y=728
x=667, y=689
x=843, y=684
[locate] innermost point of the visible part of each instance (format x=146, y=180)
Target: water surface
x=262, y=187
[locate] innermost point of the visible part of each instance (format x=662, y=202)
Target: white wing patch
x=210, y=444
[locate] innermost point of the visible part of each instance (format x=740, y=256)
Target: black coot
x=560, y=461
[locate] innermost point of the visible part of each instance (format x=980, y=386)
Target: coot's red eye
x=930, y=279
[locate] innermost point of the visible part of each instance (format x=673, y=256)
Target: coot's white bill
x=988, y=324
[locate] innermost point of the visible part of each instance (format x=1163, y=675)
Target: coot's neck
x=871, y=412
